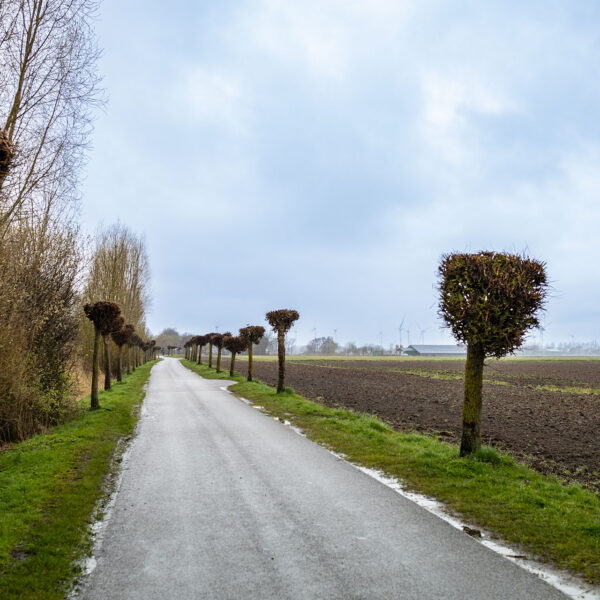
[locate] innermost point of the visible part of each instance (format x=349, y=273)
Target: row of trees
x=109, y=324
x=48, y=84
x=281, y=321
x=489, y=301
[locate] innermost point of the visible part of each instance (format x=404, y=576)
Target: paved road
x=219, y=501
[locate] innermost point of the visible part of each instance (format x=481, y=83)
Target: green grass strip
x=556, y=523
x=49, y=488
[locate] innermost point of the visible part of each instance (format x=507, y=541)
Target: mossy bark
x=281, y=361
x=106, y=363
x=249, y=378
x=94, y=395
x=199, y=354
x=210, y=355
x=120, y=364
x=471, y=435
x=232, y=364
x=219, y=360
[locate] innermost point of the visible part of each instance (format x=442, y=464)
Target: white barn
x=435, y=350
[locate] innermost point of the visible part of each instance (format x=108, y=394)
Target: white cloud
x=208, y=97
x=449, y=102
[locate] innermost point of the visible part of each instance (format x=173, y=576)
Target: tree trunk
x=471, y=435
x=210, y=355
x=219, y=359
x=94, y=403
x=249, y=378
x=120, y=364
x=232, y=365
x=281, y=360
x=128, y=359
x=199, y=355
x=106, y=364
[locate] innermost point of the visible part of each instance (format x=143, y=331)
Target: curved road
x=219, y=501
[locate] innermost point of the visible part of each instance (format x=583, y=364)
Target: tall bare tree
x=48, y=84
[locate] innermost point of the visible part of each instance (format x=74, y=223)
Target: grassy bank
x=49, y=487
x=554, y=522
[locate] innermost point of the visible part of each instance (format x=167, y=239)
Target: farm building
x=435, y=350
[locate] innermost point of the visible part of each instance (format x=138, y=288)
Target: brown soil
x=555, y=432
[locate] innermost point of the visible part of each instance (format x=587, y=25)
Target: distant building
x=435, y=350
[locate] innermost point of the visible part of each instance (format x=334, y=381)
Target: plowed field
x=546, y=412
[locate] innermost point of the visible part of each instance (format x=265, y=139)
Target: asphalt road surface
x=219, y=501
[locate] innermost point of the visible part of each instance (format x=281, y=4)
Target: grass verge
x=49, y=487
x=556, y=523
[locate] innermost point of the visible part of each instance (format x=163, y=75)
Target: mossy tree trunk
x=219, y=350
x=471, y=435
x=210, y=355
x=120, y=364
x=249, y=378
x=231, y=366
x=94, y=395
x=106, y=363
x=281, y=361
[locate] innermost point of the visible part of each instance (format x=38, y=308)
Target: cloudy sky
x=321, y=155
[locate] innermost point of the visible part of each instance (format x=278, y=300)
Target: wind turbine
x=401, y=329
x=422, y=331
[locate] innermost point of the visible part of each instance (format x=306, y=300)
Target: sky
x=323, y=155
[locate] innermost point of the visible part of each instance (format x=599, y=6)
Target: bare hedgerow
x=252, y=334
x=489, y=300
x=281, y=321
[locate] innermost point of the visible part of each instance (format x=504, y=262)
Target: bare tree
x=48, y=83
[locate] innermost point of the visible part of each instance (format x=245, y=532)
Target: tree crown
x=282, y=320
x=491, y=298
x=216, y=339
x=123, y=336
x=235, y=344
x=104, y=315
x=252, y=333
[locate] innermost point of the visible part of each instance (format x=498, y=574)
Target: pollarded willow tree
x=281, y=321
x=202, y=341
x=235, y=345
x=252, y=334
x=211, y=343
x=117, y=324
x=135, y=345
x=217, y=340
x=103, y=316
x=489, y=300
x=120, y=338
